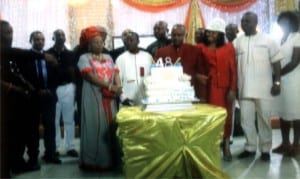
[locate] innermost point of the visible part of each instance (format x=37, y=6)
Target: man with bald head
x=160, y=30
x=199, y=35
x=231, y=31
x=65, y=92
x=258, y=58
x=118, y=51
x=179, y=51
x=134, y=64
x=103, y=33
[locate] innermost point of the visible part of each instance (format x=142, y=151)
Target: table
x=181, y=144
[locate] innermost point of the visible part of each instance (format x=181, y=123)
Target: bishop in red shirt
x=188, y=55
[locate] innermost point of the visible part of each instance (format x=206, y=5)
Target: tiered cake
x=168, y=88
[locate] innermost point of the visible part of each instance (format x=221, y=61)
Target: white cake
x=168, y=88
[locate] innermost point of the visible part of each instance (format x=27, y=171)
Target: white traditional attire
x=255, y=55
x=288, y=103
x=65, y=107
x=133, y=68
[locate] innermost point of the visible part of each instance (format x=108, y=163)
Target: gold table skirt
x=183, y=144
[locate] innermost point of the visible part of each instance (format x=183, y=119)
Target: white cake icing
x=168, y=85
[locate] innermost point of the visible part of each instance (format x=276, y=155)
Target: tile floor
x=279, y=168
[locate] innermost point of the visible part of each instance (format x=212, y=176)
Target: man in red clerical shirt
x=178, y=51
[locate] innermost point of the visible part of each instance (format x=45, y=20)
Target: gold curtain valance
x=161, y=5
x=155, y=5
x=229, y=5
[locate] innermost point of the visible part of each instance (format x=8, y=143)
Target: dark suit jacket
x=30, y=72
x=66, y=65
x=10, y=100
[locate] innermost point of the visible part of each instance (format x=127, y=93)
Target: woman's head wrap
x=87, y=34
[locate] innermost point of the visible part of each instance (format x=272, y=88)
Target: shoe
x=282, y=149
x=246, y=154
x=56, y=154
x=72, y=153
x=52, y=159
x=18, y=170
x=32, y=166
x=294, y=150
x=19, y=167
x=227, y=158
x=265, y=156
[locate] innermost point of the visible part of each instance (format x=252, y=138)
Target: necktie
x=40, y=74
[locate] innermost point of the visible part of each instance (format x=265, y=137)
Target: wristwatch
x=277, y=83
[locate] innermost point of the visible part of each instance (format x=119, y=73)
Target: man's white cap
x=217, y=24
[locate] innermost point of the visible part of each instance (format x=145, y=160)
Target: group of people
x=37, y=85
x=252, y=67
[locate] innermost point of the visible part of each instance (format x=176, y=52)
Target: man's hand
x=231, y=96
x=21, y=90
x=44, y=92
x=51, y=59
x=275, y=90
x=202, y=79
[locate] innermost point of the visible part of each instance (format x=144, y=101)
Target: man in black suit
x=43, y=77
x=13, y=97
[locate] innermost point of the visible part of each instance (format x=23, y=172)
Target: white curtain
x=26, y=16
x=48, y=15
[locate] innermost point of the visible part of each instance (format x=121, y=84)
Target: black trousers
x=44, y=109
x=4, y=142
x=32, y=134
x=16, y=130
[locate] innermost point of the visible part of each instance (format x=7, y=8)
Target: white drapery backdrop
x=26, y=16
x=48, y=15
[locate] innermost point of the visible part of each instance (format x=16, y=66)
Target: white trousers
x=249, y=109
x=65, y=106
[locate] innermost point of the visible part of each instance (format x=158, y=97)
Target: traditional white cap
x=217, y=24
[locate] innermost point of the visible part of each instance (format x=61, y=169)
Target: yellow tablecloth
x=182, y=144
